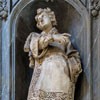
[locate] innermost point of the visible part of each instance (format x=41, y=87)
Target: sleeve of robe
x=74, y=62
x=33, y=44
x=37, y=43
x=27, y=43
x=27, y=49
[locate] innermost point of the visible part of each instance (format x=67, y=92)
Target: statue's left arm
x=61, y=39
x=73, y=61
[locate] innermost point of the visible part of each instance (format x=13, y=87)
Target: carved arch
x=86, y=57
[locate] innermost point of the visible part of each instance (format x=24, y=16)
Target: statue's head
x=45, y=18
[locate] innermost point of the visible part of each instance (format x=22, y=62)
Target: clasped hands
x=49, y=38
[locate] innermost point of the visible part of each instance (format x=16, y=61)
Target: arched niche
x=72, y=18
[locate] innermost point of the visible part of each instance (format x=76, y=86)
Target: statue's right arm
x=27, y=43
x=44, y=41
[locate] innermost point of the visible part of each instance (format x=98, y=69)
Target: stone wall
x=96, y=55
x=83, y=22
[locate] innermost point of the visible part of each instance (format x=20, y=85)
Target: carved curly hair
x=49, y=12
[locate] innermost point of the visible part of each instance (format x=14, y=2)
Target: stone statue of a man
x=56, y=64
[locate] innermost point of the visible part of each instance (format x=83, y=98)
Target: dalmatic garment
x=56, y=67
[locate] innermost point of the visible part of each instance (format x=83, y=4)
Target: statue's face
x=43, y=21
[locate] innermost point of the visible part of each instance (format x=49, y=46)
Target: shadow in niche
x=81, y=87
x=68, y=21
x=78, y=87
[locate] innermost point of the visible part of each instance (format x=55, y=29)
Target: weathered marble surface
x=86, y=80
x=6, y=73
x=75, y=25
x=57, y=66
x=26, y=25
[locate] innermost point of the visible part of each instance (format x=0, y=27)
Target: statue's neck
x=47, y=30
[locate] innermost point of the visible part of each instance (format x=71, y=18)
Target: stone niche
x=71, y=19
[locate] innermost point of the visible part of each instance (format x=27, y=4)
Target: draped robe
x=56, y=67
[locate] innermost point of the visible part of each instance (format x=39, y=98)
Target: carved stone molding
x=95, y=8
x=3, y=10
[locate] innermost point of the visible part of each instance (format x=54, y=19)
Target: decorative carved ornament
x=95, y=8
x=3, y=10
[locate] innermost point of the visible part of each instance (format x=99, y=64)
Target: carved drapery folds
x=95, y=8
x=3, y=10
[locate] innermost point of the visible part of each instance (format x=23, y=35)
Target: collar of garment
x=52, y=31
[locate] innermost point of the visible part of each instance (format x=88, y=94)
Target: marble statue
x=56, y=64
